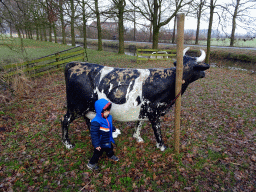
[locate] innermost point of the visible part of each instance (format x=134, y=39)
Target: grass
x=236, y=57
x=241, y=58
x=214, y=42
x=217, y=125
x=226, y=42
x=11, y=50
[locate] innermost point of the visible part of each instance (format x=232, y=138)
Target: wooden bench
x=155, y=54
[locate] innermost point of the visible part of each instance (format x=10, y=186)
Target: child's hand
x=98, y=148
x=116, y=133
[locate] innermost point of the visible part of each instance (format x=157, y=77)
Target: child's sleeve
x=95, y=136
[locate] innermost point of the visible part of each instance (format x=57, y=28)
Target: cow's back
x=80, y=85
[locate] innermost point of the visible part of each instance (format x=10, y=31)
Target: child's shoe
x=92, y=166
x=115, y=158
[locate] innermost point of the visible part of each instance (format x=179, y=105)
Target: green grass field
x=226, y=43
x=217, y=139
x=11, y=50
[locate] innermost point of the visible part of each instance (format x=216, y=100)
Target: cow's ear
x=201, y=67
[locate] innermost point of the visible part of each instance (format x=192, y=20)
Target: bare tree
x=14, y=12
x=84, y=15
x=97, y=13
x=71, y=12
x=134, y=21
x=174, y=29
x=199, y=11
x=212, y=7
x=61, y=16
x=159, y=13
x=238, y=11
x=118, y=9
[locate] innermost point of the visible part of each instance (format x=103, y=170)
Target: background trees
x=238, y=12
x=199, y=8
x=159, y=13
x=212, y=7
x=118, y=10
x=135, y=19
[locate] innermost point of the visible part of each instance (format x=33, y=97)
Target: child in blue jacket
x=101, y=133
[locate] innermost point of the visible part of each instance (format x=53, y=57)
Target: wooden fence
x=155, y=54
x=46, y=64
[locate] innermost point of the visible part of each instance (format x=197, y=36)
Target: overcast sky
x=190, y=23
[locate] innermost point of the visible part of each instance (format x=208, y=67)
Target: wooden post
x=179, y=75
x=57, y=58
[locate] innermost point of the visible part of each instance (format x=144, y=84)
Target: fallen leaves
x=26, y=130
x=253, y=158
x=217, y=135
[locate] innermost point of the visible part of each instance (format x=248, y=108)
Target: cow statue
x=135, y=94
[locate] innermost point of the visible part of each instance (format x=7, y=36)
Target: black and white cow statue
x=135, y=94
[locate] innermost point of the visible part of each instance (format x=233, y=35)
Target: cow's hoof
x=138, y=138
x=68, y=144
x=162, y=148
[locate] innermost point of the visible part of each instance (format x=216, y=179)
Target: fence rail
x=46, y=64
x=155, y=54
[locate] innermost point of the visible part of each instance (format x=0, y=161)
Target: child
x=101, y=133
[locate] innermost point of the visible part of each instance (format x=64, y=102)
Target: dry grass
x=21, y=84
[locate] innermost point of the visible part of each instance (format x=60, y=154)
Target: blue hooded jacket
x=101, y=127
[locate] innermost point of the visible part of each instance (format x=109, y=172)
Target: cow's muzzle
x=202, y=74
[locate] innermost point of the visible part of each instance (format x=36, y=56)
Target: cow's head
x=193, y=68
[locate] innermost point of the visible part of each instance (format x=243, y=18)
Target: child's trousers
x=97, y=154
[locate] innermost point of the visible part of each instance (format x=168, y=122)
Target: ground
x=218, y=146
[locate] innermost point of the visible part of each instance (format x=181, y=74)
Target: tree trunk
x=30, y=32
x=41, y=33
x=150, y=32
x=232, y=38
x=98, y=26
x=62, y=22
x=26, y=33
x=10, y=24
x=84, y=34
x=84, y=25
x=19, y=33
x=155, y=27
x=134, y=24
x=199, y=13
x=174, y=30
x=207, y=60
x=73, y=23
x=121, y=26
x=44, y=29
x=37, y=32
x=155, y=37
x=50, y=32
x=55, y=32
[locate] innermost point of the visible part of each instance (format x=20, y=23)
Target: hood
x=100, y=105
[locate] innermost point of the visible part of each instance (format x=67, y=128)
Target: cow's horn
x=185, y=50
x=202, y=57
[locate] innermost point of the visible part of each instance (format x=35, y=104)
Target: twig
x=235, y=163
x=85, y=186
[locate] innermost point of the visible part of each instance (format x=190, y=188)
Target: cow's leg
x=136, y=134
x=88, y=123
x=67, y=119
x=157, y=131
